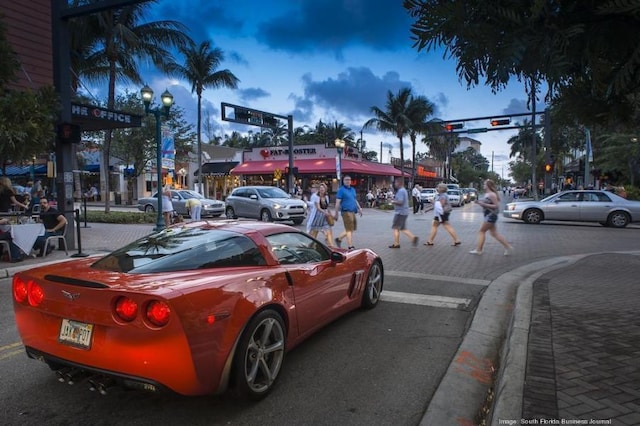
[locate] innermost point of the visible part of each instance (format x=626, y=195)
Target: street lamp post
x=339, y=143
x=167, y=101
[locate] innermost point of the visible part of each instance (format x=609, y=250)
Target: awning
x=218, y=169
x=39, y=169
x=320, y=165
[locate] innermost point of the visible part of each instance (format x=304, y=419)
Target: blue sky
x=330, y=60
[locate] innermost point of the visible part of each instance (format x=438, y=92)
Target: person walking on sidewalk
x=442, y=209
x=323, y=218
x=347, y=205
x=415, y=194
x=491, y=204
x=401, y=212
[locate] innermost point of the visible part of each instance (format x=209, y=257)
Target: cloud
x=332, y=25
x=191, y=14
x=237, y=57
x=252, y=94
x=353, y=92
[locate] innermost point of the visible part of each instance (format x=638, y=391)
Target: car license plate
x=75, y=333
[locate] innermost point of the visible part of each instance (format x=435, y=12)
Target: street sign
x=244, y=115
x=478, y=130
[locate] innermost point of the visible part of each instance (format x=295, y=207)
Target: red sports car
x=196, y=308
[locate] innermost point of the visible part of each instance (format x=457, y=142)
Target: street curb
x=471, y=374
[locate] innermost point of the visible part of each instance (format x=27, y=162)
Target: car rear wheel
x=149, y=209
x=533, y=216
x=230, y=213
x=618, y=219
x=373, y=287
x=259, y=355
x=265, y=215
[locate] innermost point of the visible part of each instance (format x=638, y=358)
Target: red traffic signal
x=500, y=121
x=453, y=126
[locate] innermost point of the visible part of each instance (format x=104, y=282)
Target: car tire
x=373, y=286
x=532, y=216
x=618, y=219
x=265, y=215
x=297, y=221
x=259, y=356
x=230, y=213
x=149, y=209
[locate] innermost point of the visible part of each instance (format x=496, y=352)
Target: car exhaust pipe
x=75, y=376
x=101, y=384
x=61, y=374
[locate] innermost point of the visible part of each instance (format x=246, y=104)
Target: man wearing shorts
x=401, y=212
x=347, y=205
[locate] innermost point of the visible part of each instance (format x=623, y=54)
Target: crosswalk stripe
x=460, y=280
x=424, y=299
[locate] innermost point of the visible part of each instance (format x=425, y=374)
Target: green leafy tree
x=201, y=69
x=394, y=119
x=418, y=111
x=27, y=117
x=110, y=42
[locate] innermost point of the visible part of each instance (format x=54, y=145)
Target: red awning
x=320, y=165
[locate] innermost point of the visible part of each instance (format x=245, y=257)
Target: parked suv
x=266, y=203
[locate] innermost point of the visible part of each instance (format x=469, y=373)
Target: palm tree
x=394, y=119
x=201, y=70
x=117, y=39
x=419, y=109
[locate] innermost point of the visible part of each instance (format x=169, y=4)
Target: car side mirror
x=253, y=197
x=337, y=257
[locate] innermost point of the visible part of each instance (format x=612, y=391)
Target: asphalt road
x=377, y=367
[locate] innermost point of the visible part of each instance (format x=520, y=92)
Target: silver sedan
x=179, y=197
x=598, y=206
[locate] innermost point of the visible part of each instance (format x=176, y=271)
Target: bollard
x=77, y=217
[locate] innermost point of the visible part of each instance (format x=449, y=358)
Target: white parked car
x=603, y=207
x=428, y=195
x=455, y=197
x=213, y=208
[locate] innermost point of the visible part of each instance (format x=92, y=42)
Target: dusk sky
x=329, y=60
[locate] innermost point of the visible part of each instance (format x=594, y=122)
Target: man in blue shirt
x=347, y=204
x=401, y=210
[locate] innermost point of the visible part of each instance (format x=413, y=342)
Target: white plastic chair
x=61, y=240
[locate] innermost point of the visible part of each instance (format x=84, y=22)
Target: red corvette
x=196, y=308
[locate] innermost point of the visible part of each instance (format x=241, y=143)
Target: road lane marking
x=460, y=280
x=424, y=299
x=7, y=352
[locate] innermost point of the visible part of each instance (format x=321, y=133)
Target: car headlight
x=276, y=206
x=511, y=207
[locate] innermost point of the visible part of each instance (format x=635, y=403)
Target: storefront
x=217, y=179
x=314, y=164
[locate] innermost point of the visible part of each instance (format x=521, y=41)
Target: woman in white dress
x=320, y=220
x=167, y=205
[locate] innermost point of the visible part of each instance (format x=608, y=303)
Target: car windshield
x=272, y=193
x=190, y=194
x=181, y=249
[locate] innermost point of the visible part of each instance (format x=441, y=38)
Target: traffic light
x=270, y=121
x=548, y=167
x=500, y=121
x=449, y=127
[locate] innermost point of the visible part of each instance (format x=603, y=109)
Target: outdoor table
x=25, y=235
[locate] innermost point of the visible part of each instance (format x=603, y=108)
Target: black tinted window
x=180, y=249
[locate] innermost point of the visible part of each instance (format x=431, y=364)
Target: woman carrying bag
x=323, y=218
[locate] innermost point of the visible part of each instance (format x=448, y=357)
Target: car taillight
x=158, y=313
x=126, y=308
x=35, y=294
x=19, y=289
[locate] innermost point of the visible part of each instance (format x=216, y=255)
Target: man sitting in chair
x=54, y=223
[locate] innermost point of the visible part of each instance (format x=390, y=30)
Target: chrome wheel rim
x=374, y=283
x=264, y=356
